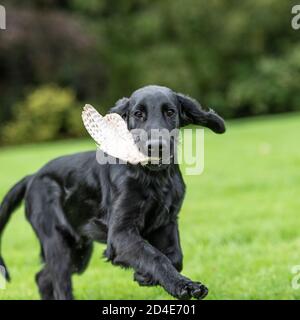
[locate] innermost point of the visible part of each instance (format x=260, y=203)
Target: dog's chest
x=155, y=211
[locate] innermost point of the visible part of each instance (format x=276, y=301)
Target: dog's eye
x=170, y=112
x=139, y=114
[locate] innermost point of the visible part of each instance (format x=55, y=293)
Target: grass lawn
x=240, y=223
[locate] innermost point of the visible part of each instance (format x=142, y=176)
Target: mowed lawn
x=240, y=223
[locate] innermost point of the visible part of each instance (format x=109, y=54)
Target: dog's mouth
x=157, y=158
x=160, y=163
x=155, y=167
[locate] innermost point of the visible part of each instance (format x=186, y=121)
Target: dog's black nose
x=156, y=148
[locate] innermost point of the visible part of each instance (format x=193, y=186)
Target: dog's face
x=153, y=111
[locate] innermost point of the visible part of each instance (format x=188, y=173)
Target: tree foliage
x=240, y=57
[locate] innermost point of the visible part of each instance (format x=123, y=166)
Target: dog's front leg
x=127, y=248
x=166, y=240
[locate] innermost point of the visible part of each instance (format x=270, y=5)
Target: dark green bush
x=47, y=113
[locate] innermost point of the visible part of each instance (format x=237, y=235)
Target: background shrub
x=47, y=113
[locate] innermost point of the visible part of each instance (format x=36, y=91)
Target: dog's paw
x=144, y=280
x=187, y=289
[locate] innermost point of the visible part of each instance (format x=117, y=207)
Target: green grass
x=240, y=223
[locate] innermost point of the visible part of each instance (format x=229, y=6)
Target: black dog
x=74, y=200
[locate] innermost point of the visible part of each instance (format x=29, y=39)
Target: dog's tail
x=10, y=203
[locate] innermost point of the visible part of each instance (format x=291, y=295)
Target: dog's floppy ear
x=121, y=107
x=191, y=112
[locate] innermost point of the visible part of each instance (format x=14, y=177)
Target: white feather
x=112, y=136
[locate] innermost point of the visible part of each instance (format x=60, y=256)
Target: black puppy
x=73, y=201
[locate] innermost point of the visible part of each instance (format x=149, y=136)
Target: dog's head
x=152, y=111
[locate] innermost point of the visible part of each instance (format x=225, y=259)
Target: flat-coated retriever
x=73, y=201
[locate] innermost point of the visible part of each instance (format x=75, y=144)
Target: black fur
x=73, y=201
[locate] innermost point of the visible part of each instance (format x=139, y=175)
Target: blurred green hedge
x=240, y=57
x=47, y=113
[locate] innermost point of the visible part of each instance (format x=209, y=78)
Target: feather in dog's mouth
x=113, y=138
